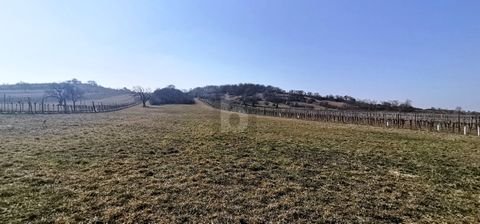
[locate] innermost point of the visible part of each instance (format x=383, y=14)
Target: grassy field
x=177, y=164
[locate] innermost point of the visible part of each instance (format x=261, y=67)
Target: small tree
x=144, y=94
x=74, y=82
x=92, y=83
x=59, y=91
x=459, y=109
x=74, y=93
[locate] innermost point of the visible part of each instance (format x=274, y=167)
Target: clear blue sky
x=426, y=51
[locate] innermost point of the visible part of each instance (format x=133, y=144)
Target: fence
x=452, y=123
x=47, y=108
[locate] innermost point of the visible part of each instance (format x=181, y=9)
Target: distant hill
x=170, y=96
x=35, y=92
x=270, y=96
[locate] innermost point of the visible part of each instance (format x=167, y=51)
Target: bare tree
x=59, y=91
x=74, y=81
x=92, y=83
x=64, y=91
x=74, y=93
x=144, y=94
x=406, y=106
x=395, y=103
x=408, y=102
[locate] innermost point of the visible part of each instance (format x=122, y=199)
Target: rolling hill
x=273, y=97
x=269, y=96
x=35, y=92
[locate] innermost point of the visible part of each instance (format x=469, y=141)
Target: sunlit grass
x=181, y=164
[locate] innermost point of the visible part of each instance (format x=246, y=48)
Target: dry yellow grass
x=176, y=164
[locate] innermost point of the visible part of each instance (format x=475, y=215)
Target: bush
x=170, y=96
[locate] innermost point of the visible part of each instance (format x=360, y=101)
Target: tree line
x=167, y=95
x=251, y=94
x=246, y=93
